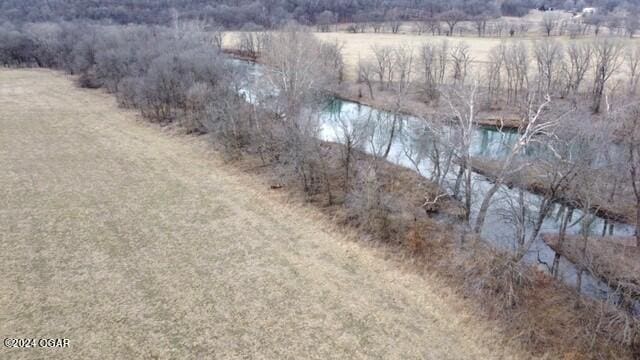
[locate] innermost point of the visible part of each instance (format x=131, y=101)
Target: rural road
x=135, y=243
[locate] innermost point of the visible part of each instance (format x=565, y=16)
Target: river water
x=500, y=228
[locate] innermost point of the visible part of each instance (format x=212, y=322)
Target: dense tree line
x=160, y=71
x=271, y=13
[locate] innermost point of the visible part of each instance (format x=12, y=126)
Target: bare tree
x=433, y=25
x=431, y=144
x=523, y=27
x=332, y=57
x=357, y=27
x=452, y=18
x=433, y=59
x=631, y=142
x=615, y=25
x=226, y=118
x=632, y=61
x=352, y=134
x=218, y=38
x=325, y=19
x=366, y=74
x=462, y=101
x=46, y=36
x=480, y=23
x=494, y=73
x=385, y=63
x=403, y=64
x=548, y=54
x=253, y=42
x=499, y=27
x=383, y=132
x=550, y=22
x=394, y=19
x=461, y=58
x=575, y=29
x=532, y=126
x=516, y=62
x=596, y=22
x=607, y=55
x=562, y=169
x=404, y=68
x=578, y=60
x=301, y=70
x=195, y=118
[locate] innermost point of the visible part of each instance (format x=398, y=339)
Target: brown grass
x=137, y=245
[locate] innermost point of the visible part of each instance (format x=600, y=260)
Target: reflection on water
x=486, y=142
x=492, y=144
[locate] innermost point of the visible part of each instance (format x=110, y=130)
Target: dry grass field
x=359, y=46
x=138, y=243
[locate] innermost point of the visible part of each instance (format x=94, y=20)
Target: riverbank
x=411, y=106
x=620, y=209
x=614, y=260
x=550, y=318
x=504, y=289
x=531, y=178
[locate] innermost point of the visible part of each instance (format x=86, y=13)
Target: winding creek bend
x=499, y=229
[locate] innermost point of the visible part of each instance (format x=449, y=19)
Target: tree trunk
x=542, y=214
x=523, y=219
x=482, y=213
x=347, y=166
x=445, y=171
x=598, y=91
x=456, y=187
x=370, y=89
x=435, y=175
x=467, y=193
x=579, y=281
x=561, y=236
x=391, y=136
x=637, y=232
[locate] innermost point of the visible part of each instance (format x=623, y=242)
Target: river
x=499, y=227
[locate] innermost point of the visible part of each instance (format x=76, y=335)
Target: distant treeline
x=272, y=13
